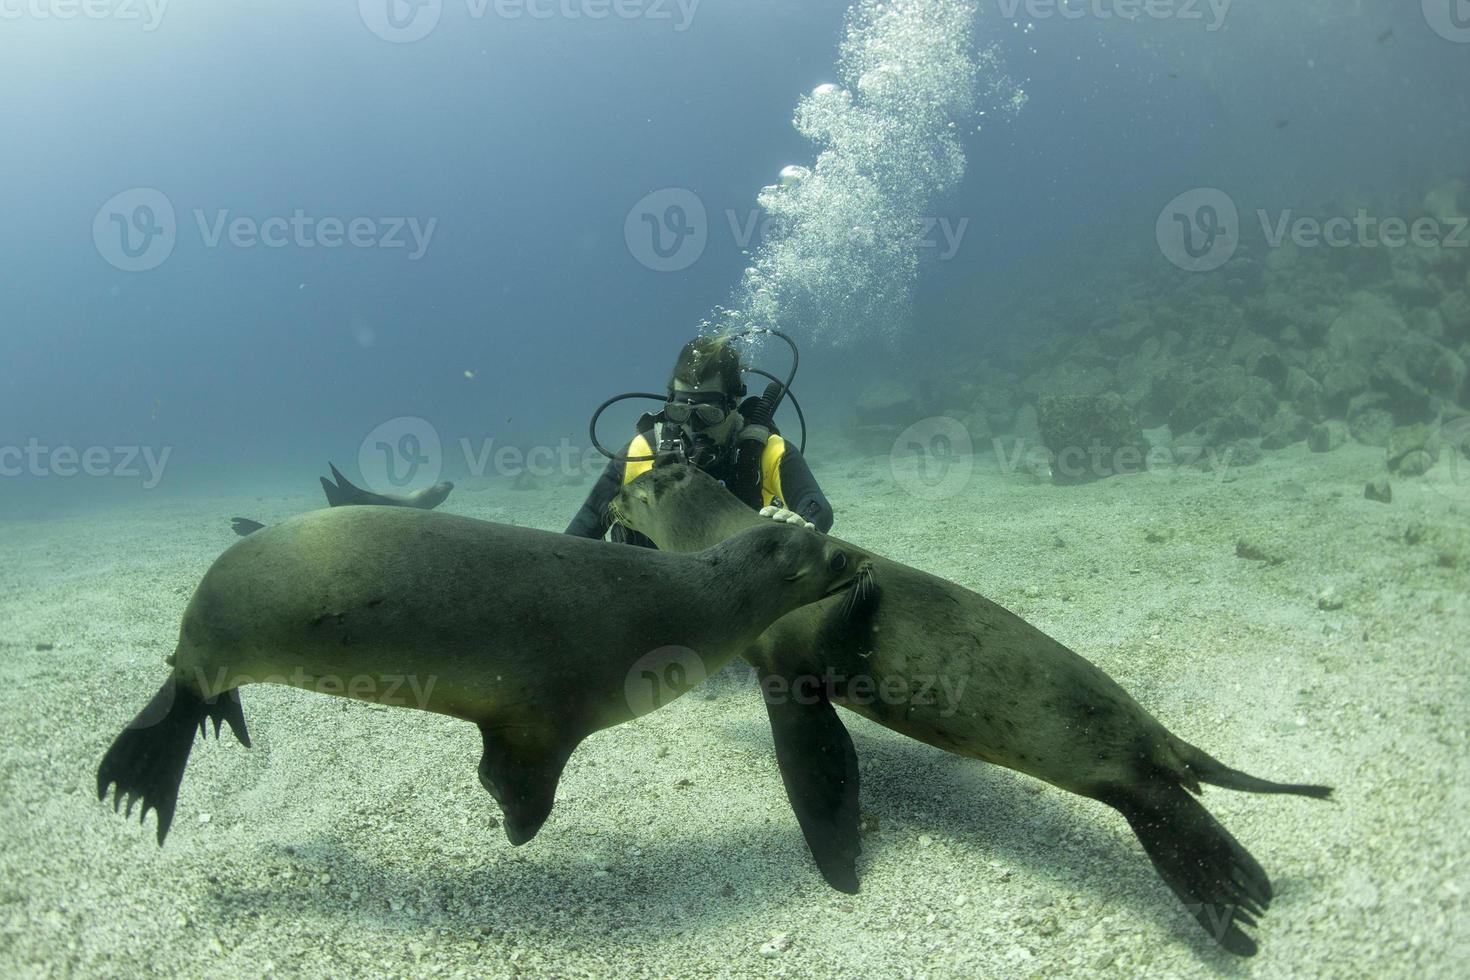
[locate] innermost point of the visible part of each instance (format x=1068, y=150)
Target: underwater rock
x=1090, y=436
x=887, y=403
x=1270, y=366
x=1454, y=311
x=1412, y=449
x=1329, y=600
x=1326, y=436
x=1415, y=463
x=1159, y=438
x=1342, y=381
x=1404, y=372
x=1448, y=377
x=1305, y=394
x=1442, y=202
x=1380, y=490
x=1224, y=405
x=1026, y=428
x=1365, y=329
x=1285, y=428
x=1241, y=452
x=1255, y=551
x=1368, y=421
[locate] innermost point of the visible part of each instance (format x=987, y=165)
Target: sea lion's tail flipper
x=1211, y=770
x=147, y=760
x=244, y=526
x=819, y=768
x=339, y=493
x=521, y=768
x=1218, y=881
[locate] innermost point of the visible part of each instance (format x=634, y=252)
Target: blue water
x=524, y=143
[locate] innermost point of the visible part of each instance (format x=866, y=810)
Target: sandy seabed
x=356, y=840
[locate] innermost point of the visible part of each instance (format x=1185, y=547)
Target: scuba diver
x=705, y=423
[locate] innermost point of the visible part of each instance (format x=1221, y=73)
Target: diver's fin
x=521, y=771
x=1218, y=881
x=820, y=770
x=244, y=526
x=146, y=761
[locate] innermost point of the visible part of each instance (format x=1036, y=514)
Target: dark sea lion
x=538, y=638
x=945, y=665
x=344, y=493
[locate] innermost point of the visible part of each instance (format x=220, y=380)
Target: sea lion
x=538, y=638
x=1014, y=697
x=344, y=493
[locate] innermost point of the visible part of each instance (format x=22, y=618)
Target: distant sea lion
x=1017, y=698
x=537, y=638
x=344, y=493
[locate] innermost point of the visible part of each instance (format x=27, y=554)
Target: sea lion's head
x=806, y=565
x=681, y=508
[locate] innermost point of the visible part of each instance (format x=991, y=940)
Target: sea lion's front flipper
x=520, y=768
x=820, y=770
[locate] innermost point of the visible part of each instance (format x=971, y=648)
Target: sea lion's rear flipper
x=342, y=492
x=1210, y=770
x=147, y=760
x=820, y=771
x=1218, y=881
x=244, y=526
x=520, y=768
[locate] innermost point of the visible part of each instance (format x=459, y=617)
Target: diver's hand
x=787, y=517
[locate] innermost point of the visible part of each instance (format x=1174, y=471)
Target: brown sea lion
x=945, y=665
x=540, y=639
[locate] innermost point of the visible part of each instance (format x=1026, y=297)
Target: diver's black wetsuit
x=798, y=485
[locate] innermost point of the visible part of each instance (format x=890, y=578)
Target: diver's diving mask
x=690, y=423
x=696, y=416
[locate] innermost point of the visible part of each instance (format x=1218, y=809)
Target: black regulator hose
x=791, y=397
x=592, y=426
x=761, y=415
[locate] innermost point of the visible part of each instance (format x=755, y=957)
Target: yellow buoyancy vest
x=639, y=456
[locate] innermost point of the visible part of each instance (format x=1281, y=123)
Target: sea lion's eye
x=838, y=562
